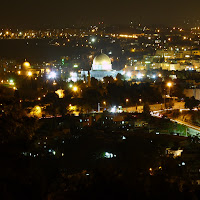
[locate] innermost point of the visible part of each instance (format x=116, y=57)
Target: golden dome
x=26, y=65
x=101, y=60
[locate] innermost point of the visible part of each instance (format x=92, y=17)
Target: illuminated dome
x=102, y=62
x=26, y=65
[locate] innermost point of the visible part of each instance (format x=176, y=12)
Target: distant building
x=101, y=68
x=195, y=92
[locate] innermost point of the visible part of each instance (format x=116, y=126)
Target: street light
x=29, y=73
x=127, y=100
x=169, y=84
x=75, y=88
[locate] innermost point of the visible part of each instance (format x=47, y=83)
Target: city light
x=11, y=82
x=128, y=36
x=29, y=73
x=169, y=84
x=36, y=112
x=93, y=40
x=52, y=75
x=113, y=109
x=60, y=93
x=73, y=76
x=129, y=74
x=48, y=70
x=139, y=76
x=109, y=155
x=75, y=88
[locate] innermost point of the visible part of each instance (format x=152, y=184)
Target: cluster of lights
x=139, y=76
x=128, y=36
x=109, y=155
x=52, y=75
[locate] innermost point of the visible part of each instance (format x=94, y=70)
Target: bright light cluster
x=52, y=75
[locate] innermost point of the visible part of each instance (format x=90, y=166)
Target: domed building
x=102, y=62
x=101, y=68
x=26, y=65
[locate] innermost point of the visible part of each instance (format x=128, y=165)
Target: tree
x=191, y=102
x=146, y=108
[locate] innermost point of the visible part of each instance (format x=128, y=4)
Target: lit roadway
x=197, y=128
x=187, y=124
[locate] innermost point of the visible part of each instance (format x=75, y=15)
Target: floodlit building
x=101, y=68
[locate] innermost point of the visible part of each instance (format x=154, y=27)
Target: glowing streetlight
x=104, y=103
x=127, y=100
x=93, y=40
x=29, y=73
x=75, y=88
x=169, y=84
x=11, y=82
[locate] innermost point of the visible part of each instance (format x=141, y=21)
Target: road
x=197, y=128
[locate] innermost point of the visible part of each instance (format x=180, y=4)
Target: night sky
x=65, y=12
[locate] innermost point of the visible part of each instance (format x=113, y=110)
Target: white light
x=52, y=75
x=93, y=39
x=139, y=76
x=73, y=74
x=123, y=138
x=113, y=109
x=109, y=155
x=128, y=74
x=154, y=76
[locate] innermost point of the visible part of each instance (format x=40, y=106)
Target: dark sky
x=65, y=12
